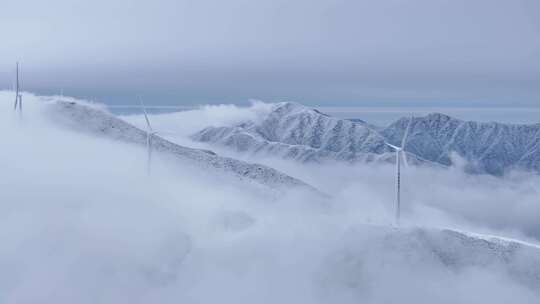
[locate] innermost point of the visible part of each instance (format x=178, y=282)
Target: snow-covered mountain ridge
x=488, y=147
x=293, y=131
x=90, y=119
x=440, y=248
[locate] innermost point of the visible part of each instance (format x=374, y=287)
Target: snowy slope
x=90, y=119
x=425, y=249
x=293, y=131
x=488, y=147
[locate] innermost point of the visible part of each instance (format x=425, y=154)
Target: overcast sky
x=318, y=52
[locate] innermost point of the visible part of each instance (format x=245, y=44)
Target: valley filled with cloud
x=82, y=220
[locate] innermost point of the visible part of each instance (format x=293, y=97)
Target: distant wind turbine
x=150, y=134
x=149, y=138
x=18, y=95
x=400, y=153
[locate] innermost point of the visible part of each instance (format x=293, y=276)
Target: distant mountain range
x=293, y=131
x=86, y=118
x=490, y=147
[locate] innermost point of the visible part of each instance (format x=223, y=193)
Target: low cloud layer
x=507, y=204
x=82, y=223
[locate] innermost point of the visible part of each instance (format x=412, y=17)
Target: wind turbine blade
x=392, y=146
x=145, y=115
x=167, y=133
x=404, y=139
x=404, y=154
x=16, y=85
x=20, y=87
x=19, y=76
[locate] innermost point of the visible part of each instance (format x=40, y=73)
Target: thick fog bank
x=81, y=222
x=506, y=205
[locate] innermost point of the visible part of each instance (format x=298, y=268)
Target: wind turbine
x=400, y=153
x=149, y=137
x=18, y=96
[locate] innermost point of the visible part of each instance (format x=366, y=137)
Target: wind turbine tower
x=400, y=153
x=18, y=95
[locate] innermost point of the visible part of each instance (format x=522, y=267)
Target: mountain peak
x=290, y=107
x=294, y=131
x=488, y=147
x=439, y=117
